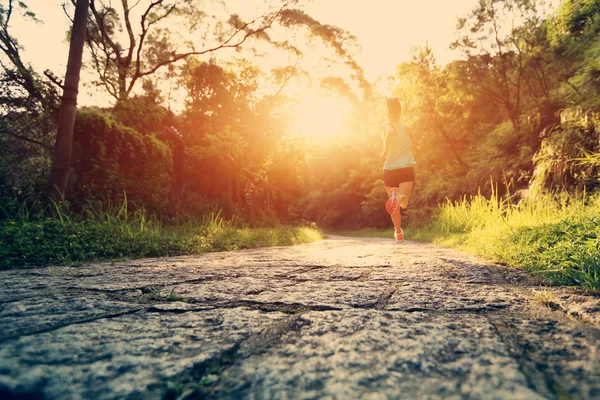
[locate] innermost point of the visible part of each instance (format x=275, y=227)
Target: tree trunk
x=66, y=119
x=253, y=200
x=230, y=188
x=177, y=184
x=122, y=85
x=268, y=194
x=178, y=163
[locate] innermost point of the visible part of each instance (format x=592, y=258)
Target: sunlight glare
x=321, y=117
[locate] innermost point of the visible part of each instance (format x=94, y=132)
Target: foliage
x=20, y=86
x=162, y=38
x=560, y=163
x=28, y=111
x=144, y=112
x=171, y=32
x=34, y=236
x=232, y=139
x=576, y=17
x=342, y=181
x=110, y=159
x=501, y=58
x=238, y=156
x=499, y=114
x=555, y=237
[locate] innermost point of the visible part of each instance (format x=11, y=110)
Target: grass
x=367, y=232
x=547, y=299
x=60, y=237
x=555, y=237
x=155, y=294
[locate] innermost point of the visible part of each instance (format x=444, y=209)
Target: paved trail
x=344, y=318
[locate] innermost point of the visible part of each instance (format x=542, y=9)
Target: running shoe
x=391, y=206
x=399, y=236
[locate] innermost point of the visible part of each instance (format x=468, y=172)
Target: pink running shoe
x=399, y=236
x=391, y=206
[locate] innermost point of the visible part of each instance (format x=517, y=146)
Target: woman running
x=398, y=171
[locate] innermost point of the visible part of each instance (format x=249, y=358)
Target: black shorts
x=394, y=177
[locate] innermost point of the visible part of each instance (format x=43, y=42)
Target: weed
x=546, y=298
x=155, y=294
x=174, y=296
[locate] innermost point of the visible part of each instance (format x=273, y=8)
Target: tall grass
x=554, y=236
x=38, y=235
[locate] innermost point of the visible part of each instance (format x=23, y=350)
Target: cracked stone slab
x=381, y=355
x=132, y=355
x=585, y=307
x=341, y=318
x=44, y=313
x=224, y=291
x=335, y=293
x=451, y=296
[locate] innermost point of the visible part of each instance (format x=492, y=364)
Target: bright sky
x=386, y=29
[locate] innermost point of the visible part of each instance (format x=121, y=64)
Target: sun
x=321, y=117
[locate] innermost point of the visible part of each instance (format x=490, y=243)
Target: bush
x=110, y=159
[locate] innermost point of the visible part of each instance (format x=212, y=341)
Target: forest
x=212, y=135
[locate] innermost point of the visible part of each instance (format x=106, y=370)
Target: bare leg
x=404, y=192
x=396, y=218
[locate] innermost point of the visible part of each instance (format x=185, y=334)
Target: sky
x=388, y=29
x=385, y=29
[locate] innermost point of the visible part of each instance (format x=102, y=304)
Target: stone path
x=344, y=318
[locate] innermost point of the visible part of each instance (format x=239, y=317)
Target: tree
x=21, y=88
x=122, y=55
x=232, y=136
x=496, y=53
x=20, y=73
x=121, y=64
x=61, y=162
x=430, y=94
x=28, y=111
x=573, y=35
x=576, y=17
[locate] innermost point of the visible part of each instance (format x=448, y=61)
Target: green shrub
x=110, y=159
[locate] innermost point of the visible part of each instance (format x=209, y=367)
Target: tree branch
x=135, y=5
x=8, y=14
x=225, y=44
x=100, y=24
x=145, y=29
x=25, y=138
x=110, y=86
x=129, y=31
